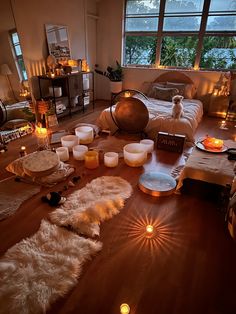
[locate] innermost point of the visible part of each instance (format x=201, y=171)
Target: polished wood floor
x=188, y=267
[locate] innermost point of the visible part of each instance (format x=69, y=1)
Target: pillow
x=185, y=90
x=150, y=91
x=165, y=93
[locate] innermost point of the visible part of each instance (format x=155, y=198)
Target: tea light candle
x=85, y=134
x=111, y=159
x=149, y=144
x=79, y=152
x=149, y=231
x=69, y=141
x=124, y=308
x=223, y=124
x=135, y=154
x=63, y=153
x=23, y=151
x=91, y=159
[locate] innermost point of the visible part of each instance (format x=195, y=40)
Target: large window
x=180, y=33
x=18, y=55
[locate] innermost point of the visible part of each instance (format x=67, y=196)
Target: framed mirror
x=58, y=41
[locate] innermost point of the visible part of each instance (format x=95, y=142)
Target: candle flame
x=124, y=308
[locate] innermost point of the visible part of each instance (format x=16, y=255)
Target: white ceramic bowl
x=135, y=154
x=69, y=141
x=149, y=144
x=85, y=134
x=79, y=152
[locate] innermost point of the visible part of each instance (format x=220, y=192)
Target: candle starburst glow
x=124, y=308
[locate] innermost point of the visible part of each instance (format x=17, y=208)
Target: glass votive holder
x=149, y=144
x=79, y=152
x=85, y=134
x=91, y=159
x=63, y=153
x=111, y=159
x=69, y=141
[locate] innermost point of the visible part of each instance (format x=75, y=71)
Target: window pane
x=183, y=6
x=141, y=24
x=219, y=53
x=18, y=50
x=181, y=23
x=140, y=50
x=221, y=23
x=142, y=7
x=178, y=51
x=222, y=5
x=15, y=38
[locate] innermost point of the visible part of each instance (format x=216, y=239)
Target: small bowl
x=69, y=141
x=85, y=134
x=149, y=144
x=79, y=152
x=135, y=154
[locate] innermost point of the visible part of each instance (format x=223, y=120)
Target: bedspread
x=160, y=118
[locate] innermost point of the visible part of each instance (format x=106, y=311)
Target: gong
x=131, y=114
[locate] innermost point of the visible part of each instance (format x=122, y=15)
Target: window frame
x=160, y=33
x=18, y=58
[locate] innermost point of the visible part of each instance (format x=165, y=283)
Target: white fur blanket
x=39, y=269
x=99, y=200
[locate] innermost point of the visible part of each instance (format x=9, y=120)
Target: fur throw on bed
x=39, y=269
x=99, y=200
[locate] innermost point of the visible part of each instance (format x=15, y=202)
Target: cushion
x=15, y=124
x=148, y=87
x=164, y=93
x=186, y=90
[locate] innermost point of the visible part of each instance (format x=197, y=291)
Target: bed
x=160, y=111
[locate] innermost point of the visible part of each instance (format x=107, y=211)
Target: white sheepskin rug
x=99, y=200
x=39, y=269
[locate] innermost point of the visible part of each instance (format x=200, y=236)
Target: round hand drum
x=131, y=115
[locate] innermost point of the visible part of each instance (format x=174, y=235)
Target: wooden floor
x=189, y=267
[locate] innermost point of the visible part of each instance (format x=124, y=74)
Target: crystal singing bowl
x=135, y=154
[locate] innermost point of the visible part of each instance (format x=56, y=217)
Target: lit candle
x=63, y=153
x=213, y=143
x=149, y=231
x=127, y=94
x=23, y=151
x=124, y=308
x=42, y=137
x=111, y=159
x=52, y=75
x=79, y=152
x=85, y=134
x=223, y=124
x=91, y=159
x=149, y=144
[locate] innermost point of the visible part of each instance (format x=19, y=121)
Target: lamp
x=5, y=70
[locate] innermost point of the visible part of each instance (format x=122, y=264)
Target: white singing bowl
x=69, y=141
x=79, y=152
x=149, y=144
x=135, y=154
x=85, y=134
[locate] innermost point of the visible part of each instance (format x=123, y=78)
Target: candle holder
x=42, y=138
x=91, y=159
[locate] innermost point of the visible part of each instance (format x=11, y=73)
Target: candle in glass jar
x=111, y=159
x=91, y=159
x=23, y=151
x=63, y=153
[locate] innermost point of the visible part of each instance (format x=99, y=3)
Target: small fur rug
x=99, y=200
x=39, y=269
x=21, y=192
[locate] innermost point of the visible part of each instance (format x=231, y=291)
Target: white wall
x=109, y=49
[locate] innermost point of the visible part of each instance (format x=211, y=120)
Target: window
x=18, y=55
x=180, y=33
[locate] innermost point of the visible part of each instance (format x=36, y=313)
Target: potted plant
x=115, y=76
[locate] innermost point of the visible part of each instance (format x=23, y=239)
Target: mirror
x=12, y=70
x=58, y=41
